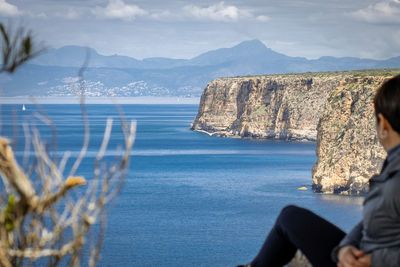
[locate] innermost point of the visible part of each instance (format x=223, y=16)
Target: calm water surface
x=191, y=199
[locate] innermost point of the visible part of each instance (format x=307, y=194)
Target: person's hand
x=365, y=260
x=350, y=256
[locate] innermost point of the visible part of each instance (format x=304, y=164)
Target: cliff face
x=278, y=107
x=295, y=107
x=348, y=150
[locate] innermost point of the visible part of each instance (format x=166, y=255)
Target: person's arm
x=351, y=239
x=388, y=257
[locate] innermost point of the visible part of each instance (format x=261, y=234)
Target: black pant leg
x=298, y=228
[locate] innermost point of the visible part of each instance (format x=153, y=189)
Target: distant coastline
x=101, y=100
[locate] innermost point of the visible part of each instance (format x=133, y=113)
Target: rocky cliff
x=277, y=106
x=337, y=106
x=348, y=151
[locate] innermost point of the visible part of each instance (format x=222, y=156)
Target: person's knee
x=290, y=213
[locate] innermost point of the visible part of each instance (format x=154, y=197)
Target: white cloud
x=382, y=12
x=263, y=18
x=41, y=15
x=7, y=9
x=72, y=14
x=164, y=15
x=68, y=13
x=118, y=9
x=35, y=15
x=221, y=12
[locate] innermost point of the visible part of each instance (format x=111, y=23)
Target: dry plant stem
x=11, y=171
x=85, y=118
x=3, y=258
x=31, y=237
x=39, y=217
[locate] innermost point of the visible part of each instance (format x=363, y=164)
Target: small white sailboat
x=23, y=107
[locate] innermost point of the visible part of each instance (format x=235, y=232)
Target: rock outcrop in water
x=295, y=107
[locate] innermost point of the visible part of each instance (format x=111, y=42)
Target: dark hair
x=387, y=102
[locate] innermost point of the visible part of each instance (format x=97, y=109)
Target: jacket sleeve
x=353, y=238
x=388, y=257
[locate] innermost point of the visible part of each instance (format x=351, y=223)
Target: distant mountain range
x=55, y=72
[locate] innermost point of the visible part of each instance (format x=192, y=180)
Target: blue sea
x=189, y=199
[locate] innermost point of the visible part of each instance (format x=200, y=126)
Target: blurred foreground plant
x=41, y=221
x=17, y=48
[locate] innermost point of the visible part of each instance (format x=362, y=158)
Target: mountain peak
x=256, y=48
x=250, y=50
x=255, y=43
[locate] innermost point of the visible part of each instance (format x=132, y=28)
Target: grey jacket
x=379, y=231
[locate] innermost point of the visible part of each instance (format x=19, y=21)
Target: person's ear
x=383, y=126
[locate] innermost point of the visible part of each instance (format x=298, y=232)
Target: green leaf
x=9, y=214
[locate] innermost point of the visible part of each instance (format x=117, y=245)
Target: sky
x=185, y=29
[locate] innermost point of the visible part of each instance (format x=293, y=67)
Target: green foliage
x=307, y=75
x=9, y=214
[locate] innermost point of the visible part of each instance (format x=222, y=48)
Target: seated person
x=375, y=241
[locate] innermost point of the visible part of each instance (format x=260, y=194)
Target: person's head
x=387, y=112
